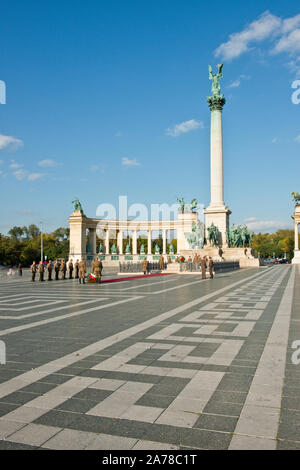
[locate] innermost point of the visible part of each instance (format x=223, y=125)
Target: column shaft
x=164, y=242
x=216, y=159
x=107, y=242
x=149, y=242
x=134, y=243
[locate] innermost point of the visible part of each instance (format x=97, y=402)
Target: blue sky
x=109, y=98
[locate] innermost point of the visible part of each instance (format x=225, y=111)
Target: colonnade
x=119, y=235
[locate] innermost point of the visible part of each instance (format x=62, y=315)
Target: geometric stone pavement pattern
x=209, y=373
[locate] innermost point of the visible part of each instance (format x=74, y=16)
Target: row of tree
x=23, y=244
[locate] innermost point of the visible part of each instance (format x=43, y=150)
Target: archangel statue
x=77, y=205
x=215, y=77
x=296, y=198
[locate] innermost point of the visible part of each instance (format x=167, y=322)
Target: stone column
x=78, y=222
x=149, y=242
x=134, y=242
x=296, y=236
x=296, y=217
x=164, y=242
x=92, y=240
x=217, y=213
x=216, y=151
x=120, y=242
x=107, y=242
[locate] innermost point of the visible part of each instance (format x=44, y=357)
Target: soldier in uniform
x=63, y=268
x=82, y=270
x=76, y=269
x=41, y=271
x=211, y=267
x=97, y=269
x=161, y=263
x=71, y=267
x=20, y=269
x=145, y=266
x=49, y=270
x=33, y=271
x=56, y=269
x=203, y=267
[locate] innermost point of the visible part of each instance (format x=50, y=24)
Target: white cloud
x=119, y=134
x=15, y=166
x=289, y=43
x=250, y=219
x=291, y=23
x=11, y=142
x=20, y=174
x=35, y=176
x=274, y=140
x=257, y=31
x=236, y=83
x=95, y=168
x=297, y=139
x=184, y=127
x=1, y=162
x=283, y=34
x=265, y=225
x=48, y=163
x=126, y=161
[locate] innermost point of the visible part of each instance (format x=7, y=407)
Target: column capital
x=216, y=102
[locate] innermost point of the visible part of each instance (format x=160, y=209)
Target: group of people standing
x=206, y=262
x=60, y=269
x=97, y=268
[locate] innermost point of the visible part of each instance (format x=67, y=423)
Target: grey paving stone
x=76, y=406
x=167, y=434
x=216, y=423
x=236, y=382
x=19, y=398
x=7, y=408
x=159, y=401
x=34, y=434
x=6, y=445
x=207, y=439
x=291, y=403
x=222, y=408
x=38, y=388
x=229, y=397
x=287, y=445
x=93, y=394
x=59, y=418
x=289, y=431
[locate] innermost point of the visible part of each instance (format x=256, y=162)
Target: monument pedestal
x=296, y=259
x=219, y=216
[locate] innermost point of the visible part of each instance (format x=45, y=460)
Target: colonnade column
x=107, y=242
x=134, y=242
x=92, y=240
x=296, y=236
x=149, y=242
x=120, y=242
x=164, y=242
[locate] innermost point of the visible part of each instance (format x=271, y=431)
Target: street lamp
x=42, y=247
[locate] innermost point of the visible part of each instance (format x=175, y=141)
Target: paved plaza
x=171, y=362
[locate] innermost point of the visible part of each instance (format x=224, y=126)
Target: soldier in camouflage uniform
x=41, y=271
x=33, y=271
x=49, y=270
x=63, y=268
x=82, y=270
